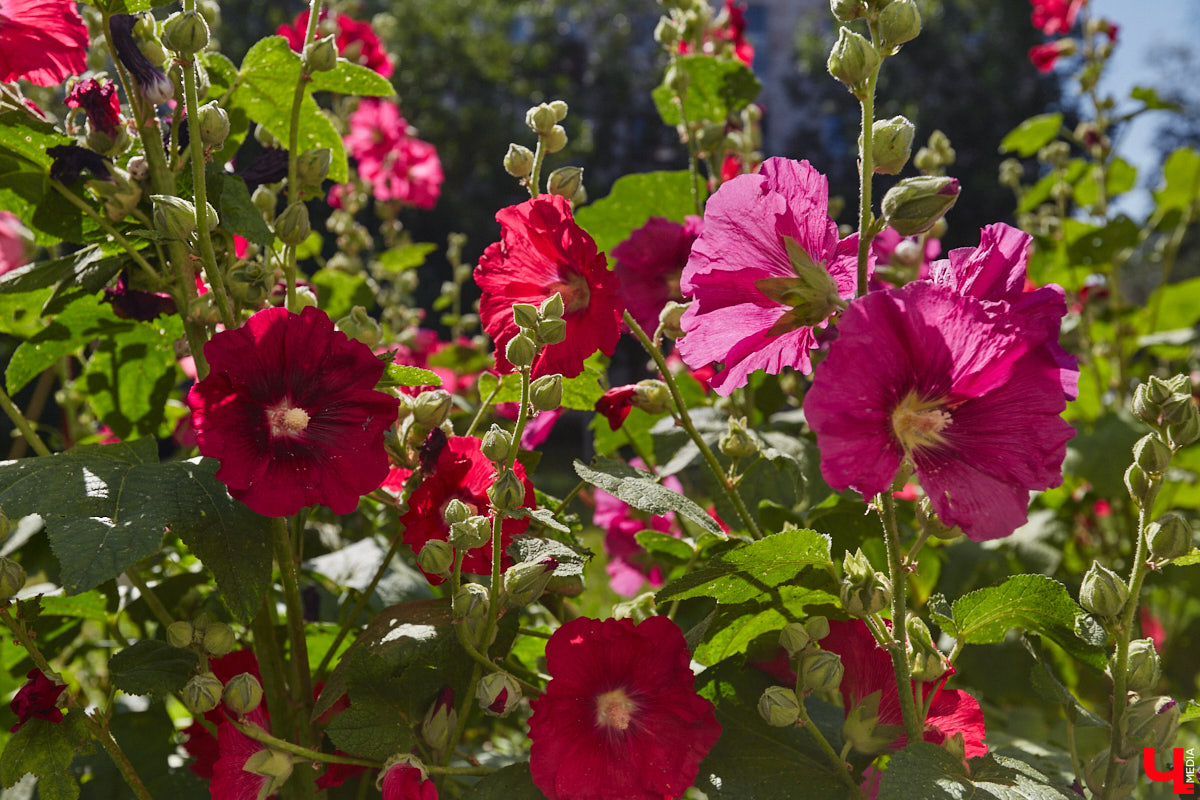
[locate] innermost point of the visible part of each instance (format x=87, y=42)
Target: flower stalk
x=898, y=647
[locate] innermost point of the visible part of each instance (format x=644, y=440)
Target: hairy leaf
x=632, y=201
x=152, y=667
x=640, y=490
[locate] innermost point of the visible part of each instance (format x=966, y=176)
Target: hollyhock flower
x=100, y=102
x=648, y=265
x=397, y=165
x=1055, y=17
x=41, y=41
x=269, y=166
x=620, y=716
x=136, y=304
x=616, y=403
x=1045, y=56
x=15, y=239
x=628, y=567
x=732, y=30
x=974, y=402
x=152, y=81
x=542, y=251
x=290, y=410
x=905, y=252
x=38, y=698
x=404, y=781
x=461, y=472
x=356, y=41
x=731, y=167
x=71, y=160
x=767, y=270
x=247, y=769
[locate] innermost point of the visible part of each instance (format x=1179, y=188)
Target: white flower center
x=614, y=710
x=287, y=421
x=919, y=423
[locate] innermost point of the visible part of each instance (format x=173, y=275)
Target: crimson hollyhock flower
x=648, y=265
x=461, y=472
x=765, y=274
x=356, y=41
x=100, y=102
x=973, y=399
x=1055, y=17
x=246, y=768
x=620, y=717
x=616, y=403
x=542, y=251
x=1045, y=56
x=405, y=781
x=290, y=410
x=41, y=41
x=38, y=698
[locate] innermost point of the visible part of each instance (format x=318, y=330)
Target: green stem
x=484, y=405
x=105, y=226
x=156, y=606
x=535, y=174
x=836, y=761
x=259, y=735
x=298, y=657
x=866, y=166
x=363, y=598
x=289, y=272
x=913, y=727
x=571, y=495
x=685, y=420
x=266, y=649
x=23, y=425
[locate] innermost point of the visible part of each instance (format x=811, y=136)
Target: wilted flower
x=38, y=698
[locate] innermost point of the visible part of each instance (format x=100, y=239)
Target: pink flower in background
x=974, y=402
x=1055, y=17
x=397, y=165
x=766, y=271
x=421, y=344
x=15, y=239
x=905, y=252
x=537, y=429
x=649, y=264
x=41, y=41
x=356, y=41
x=1045, y=56
x=733, y=31
x=629, y=567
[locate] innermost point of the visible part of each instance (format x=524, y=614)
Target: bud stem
x=535, y=174
x=289, y=271
x=23, y=425
x=298, y=655
x=913, y=726
x=838, y=762
x=866, y=170
x=156, y=606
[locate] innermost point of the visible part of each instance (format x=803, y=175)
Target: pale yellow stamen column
x=614, y=709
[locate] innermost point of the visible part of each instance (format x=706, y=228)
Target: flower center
x=287, y=421
x=919, y=423
x=574, y=290
x=614, y=710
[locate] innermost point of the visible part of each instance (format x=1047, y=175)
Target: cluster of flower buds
x=737, y=442
x=819, y=671
x=937, y=155
x=1169, y=408
x=203, y=634
x=175, y=218
x=864, y=591
x=1149, y=722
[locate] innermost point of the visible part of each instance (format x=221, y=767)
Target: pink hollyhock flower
x=397, y=165
x=356, y=41
x=404, y=781
x=905, y=252
x=41, y=41
x=649, y=263
x=628, y=567
x=620, y=716
x=100, y=102
x=37, y=699
x=1055, y=17
x=418, y=347
x=732, y=31
x=1152, y=628
x=290, y=410
x=14, y=242
x=1045, y=56
x=974, y=402
x=537, y=429
x=766, y=271
x=461, y=472
x=542, y=251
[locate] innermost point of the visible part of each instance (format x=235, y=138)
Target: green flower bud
x=251, y=283
x=305, y=297
x=900, y=22
x=565, y=181
x=185, y=32
x=1103, y=593
x=555, y=140
x=180, y=634
x=848, y=10
x=455, y=511
x=436, y=558
x=507, y=492
x=470, y=601
x=430, y=409
x=671, y=319
x=1151, y=454
x=552, y=307
x=275, y=765
x=440, y=720
x=559, y=107
x=1143, y=407
x=12, y=579
x=929, y=520
x=653, y=397
x=497, y=444
x=794, y=637
x=1144, y=669
x=779, y=706
x=821, y=671
x=817, y=627
x=891, y=144
x=639, y=609
x=498, y=694
x=853, y=59
x=476, y=629
x=174, y=217
x=1158, y=391
x=521, y=350
x=312, y=167
x=219, y=639
x=667, y=33
x=265, y=201
x=551, y=331
x=525, y=582
x=926, y=662
x=540, y=119
x=525, y=315
x=915, y=204
x=202, y=693
x=856, y=568
x=1095, y=774
x=213, y=123
x=545, y=393
x=737, y=442
x=359, y=325
x=862, y=601
x=1169, y=537
x=472, y=532
x=321, y=55
x=242, y=694
x=1137, y=483
x=292, y=227
x=1177, y=408
x=862, y=728
x=518, y=161
x=1150, y=722
x=1181, y=434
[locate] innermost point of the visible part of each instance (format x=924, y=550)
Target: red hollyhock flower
x=290, y=410
x=356, y=41
x=1045, y=56
x=404, y=781
x=542, y=251
x=1055, y=17
x=616, y=403
x=100, y=102
x=462, y=472
x=37, y=698
x=41, y=41
x=620, y=717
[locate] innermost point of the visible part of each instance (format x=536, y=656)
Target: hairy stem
x=23, y=425
x=913, y=726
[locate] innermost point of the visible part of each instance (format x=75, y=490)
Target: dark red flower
x=542, y=251
x=462, y=472
x=648, y=265
x=231, y=780
x=290, y=410
x=99, y=101
x=136, y=304
x=37, y=698
x=1055, y=17
x=403, y=781
x=71, y=161
x=1044, y=56
x=620, y=717
x=616, y=403
x=356, y=41
x=41, y=41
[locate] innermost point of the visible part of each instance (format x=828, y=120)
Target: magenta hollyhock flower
x=100, y=102
x=543, y=251
x=396, y=164
x=15, y=239
x=972, y=400
x=649, y=263
x=356, y=41
x=1045, y=56
x=41, y=41
x=906, y=252
x=1055, y=17
x=620, y=716
x=290, y=410
x=767, y=269
x=37, y=699
x=629, y=568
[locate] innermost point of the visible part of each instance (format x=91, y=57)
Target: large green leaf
x=1032, y=134
x=633, y=200
x=1181, y=180
x=152, y=667
x=350, y=78
x=228, y=193
x=640, y=490
x=131, y=374
x=924, y=771
x=45, y=749
x=511, y=783
x=27, y=138
x=735, y=628
x=338, y=292
x=715, y=89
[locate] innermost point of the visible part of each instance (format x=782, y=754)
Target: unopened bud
x=1169, y=537
x=1103, y=592
x=1181, y=434
x=1158, y=391
x=540, y=119
x=552, y=307
x=525, y=315
x=242, y=694
x=497, y=444
x=794, y=637
x=219, y=639
x=1137, y=483
x=856, y=568
x=551, y=331
x=821, y=671
x=900, y=22
x=1143, y=407
x=471, y=601
x=862, y=601
x=1177, y=408
x=292, y=227
x=202, y=693
x=1150, y=722
x=848, y=10
x=1145, y=668
x=737, y=442
x=545, y=393
x=507, y=492
x=251, y=283
x=779, y=706
x=560, y=108
x=312, y=167
x=455, y=511
x=518, y=161
x=12, y=579
x=432, y=408
x=185, y=32
x=891, y=143
x=305, y=297
x=265, y=201
x=174, y=217
x=498, y=694
x=1151, y=454
x=525, y=582
x=817, y=627
x=436, y=558
x=321, y=55
x=671, y=319
x=213, y=124
x=180, y=634
x=471, y=533
x=926, y=662
x=360, y=326
x=565, y=181
x=639, y=609
x=666, y=33
x=853, y=59
x=555, y=140
x=521, y=350
x=915, y=204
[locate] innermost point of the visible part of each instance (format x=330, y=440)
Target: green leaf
x=19, y=315
x=1032, y=134
x=350, y=78
x=640, y=490
x=753, y=571
x=338, y=292
x=735, y=628
x=532, y=548
x=514, y=782
x=1120, y=178
x=152, y=667
x=403, y=375
x=148, y=737
x=924, y=771
x=1091, y=246
x=1181, y=180
x=228, y=193
x=126, y=6
x=131, y=374
x=89, y=605
x=373, y=726
x=542, y=515
x=716, y=88
x=632, y=201
x=580, y=392
x=1151, y=98
x=76, y=326
x=663, y=545
x=27, y=138
x=405, y=257
x=43, y=274
x=45, y=749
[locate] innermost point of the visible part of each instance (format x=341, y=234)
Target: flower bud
x=1169, y=537
x=1150, y=722
x=821, y=671
x=1137, y=483
x=525, y=315
x=219, y=639
x=202, y=693
x=856, y=568
x=180, y=634
x=671, y=319
x=1177, y=408
x=817, y=627
x=853, y=59
x=242, y=694
x=1144, y=669
x=862, y=601
x=667, y=33
x=360, y=326
x=540, y=119
x=1095, y=775
x=498, y=694
x=779, y=706
x=1151, y=454
x=525, y=582
x=794, y=637
x=174, y=217
x=471, y=601
x=552, y=307
x=321, y=55
x=305, y=297
x=455, y=511
x=507, y=492
x=12, y=579
x=737, y=442
x=497, y=444
x=639, y=609
x=930, y=521
x=555, y=140
x=521, y=350
x=891, y=143
x=471, y=533
x=926, y=662
x=1103, y=592
x=1181, y=434
x=545, y=393
x=565, y=181
x=653, y=397
x=862, y=729
x=551, y=331
x=292, y=227
x=848, y=10
x=274, y=765
x=900, y=22
x=185, y=32
x=312, y=167
x=559, y=107
x=213, y=123
x=265, y=201
x=1143, y=407
x=1158, y=391
x=915, y=204
x=432, y=408
x=436, y=558
x=518, y=161
x=251, y=283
